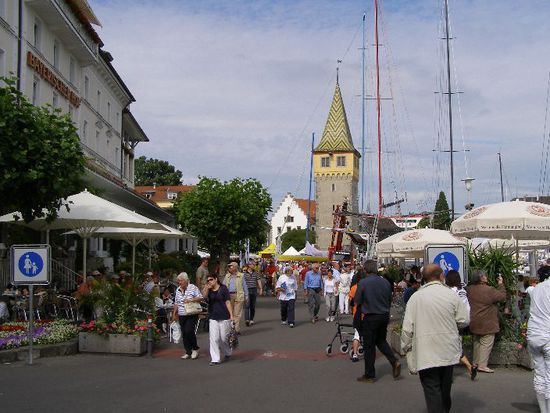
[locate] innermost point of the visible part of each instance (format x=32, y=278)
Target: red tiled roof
x=302, y=203
x=160, y=193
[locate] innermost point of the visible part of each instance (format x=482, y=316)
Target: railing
x=101, y=161
x=77, y=25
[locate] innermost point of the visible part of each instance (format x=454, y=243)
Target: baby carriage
x=345, y=332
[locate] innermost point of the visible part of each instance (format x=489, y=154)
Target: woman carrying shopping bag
x=220, y=314
x=187, y=308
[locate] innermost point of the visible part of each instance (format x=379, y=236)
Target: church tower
x=336, y=169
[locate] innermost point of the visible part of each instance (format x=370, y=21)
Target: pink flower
x=519, y=347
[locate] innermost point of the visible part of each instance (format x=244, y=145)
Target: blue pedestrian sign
x=30, y=264
x=448, y=257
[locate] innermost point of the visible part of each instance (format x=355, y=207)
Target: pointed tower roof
x=336, y=136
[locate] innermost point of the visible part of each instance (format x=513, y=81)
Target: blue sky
x=236, y=88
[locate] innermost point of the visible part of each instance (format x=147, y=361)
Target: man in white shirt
x=286, y=288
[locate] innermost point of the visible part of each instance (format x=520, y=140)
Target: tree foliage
x=222, y=215
x=297, y=239
x=40, y=156
x=155, y=172
x=424, y=223
x=442, y=216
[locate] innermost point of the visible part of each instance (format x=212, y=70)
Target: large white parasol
x=518, y=220
x=87, y=213
x=135, y=236
x=412, y=244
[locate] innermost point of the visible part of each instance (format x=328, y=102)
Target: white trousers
x=539, y=347
x=343, y=302
x=219, y=330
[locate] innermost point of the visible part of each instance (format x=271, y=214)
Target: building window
x=71, y=112
x=298, y=227
x=117, y=156
x=340, y=161
x=325, y=162
x=35, y=90
x=55, y=100
x=289, y=218
x=148, y=196
x=36, y=34
x=98, y=101
x=117, y=119
x=2, y=56
x=109, y=112
x=56, y=54
x=333, y=187
x=72, y=70
x=171, y=195
x=279, y=229
x=86, y=87
x=3, y=9
x=97, y=140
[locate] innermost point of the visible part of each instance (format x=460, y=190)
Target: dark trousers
x=375, y=327
x=161, y=318
x=250, y=309
x=187, y=325
x=287, y=311
x=436, y=383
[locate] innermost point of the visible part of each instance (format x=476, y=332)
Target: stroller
x=345, y=333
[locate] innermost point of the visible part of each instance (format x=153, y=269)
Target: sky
x=236, y=88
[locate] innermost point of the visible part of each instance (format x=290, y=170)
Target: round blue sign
x=30, y=264
x=447, y=261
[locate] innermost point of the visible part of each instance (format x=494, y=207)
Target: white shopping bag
x=175, y=332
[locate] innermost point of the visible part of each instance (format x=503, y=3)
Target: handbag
x=233, y=337
x=192, y=308
x=175, y=332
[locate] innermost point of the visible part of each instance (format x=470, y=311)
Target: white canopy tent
x=412, y=244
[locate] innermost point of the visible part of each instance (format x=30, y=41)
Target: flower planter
x=112, y=343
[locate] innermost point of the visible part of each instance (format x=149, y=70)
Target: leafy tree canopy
x=155, y=172
x=222, y=215
x=40, y=156
x=442, y=216
x=296, y=238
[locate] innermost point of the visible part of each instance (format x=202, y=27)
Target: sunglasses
x=209, y=279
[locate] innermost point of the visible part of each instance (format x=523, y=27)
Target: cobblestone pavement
x=275, y=369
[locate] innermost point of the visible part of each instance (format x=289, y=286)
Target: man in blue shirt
x=373, y=299
x=313, y=285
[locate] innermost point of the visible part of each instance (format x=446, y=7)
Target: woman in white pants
x=538, y=340
x=330, y=291
x=220, y=315
x=343, y=291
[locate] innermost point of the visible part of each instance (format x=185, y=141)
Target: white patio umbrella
x=87, y=213
x=517, y=220
x=412, y=244
x=524, y=245
x=134, y=236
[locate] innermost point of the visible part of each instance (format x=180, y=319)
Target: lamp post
x=468, y=184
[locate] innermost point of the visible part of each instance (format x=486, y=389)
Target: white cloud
x=235, y=88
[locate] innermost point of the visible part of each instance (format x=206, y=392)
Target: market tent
x=291, y=251
x=284, y=258
x=86, y=214
x=268, y=252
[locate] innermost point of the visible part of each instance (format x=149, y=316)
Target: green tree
x=297, y=239
x=442, y=216
x=424, y=223
x=155, y=172
x=40, y=156
x=222, y=215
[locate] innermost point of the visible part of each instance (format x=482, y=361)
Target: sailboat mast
x=501, y=184
x=363, y=120
x=378, y=108
x=449, y=96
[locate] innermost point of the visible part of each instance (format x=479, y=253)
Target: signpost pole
x=31, y=321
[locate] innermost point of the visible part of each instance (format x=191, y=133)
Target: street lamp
x=468, y=184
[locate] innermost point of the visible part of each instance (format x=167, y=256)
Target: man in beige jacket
x=238, y=291
x=430, y=337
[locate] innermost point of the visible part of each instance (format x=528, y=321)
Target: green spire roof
x=336, y=136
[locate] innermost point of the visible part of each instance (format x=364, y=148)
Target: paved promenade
x=276, y=369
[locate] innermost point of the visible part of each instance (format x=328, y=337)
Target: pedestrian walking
x=254, y=285
x=313, y=285
x=484, y=323
x=454, y=281
x=329, y=292
x=238, y=291
x=187, y=293
x=220, y=315
x=430, y=337
x=373, y=298
x=538, y=340
x=202, y=273
x=286, y=289
x=343, y=290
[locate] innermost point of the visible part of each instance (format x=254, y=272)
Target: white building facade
x=290, y=214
